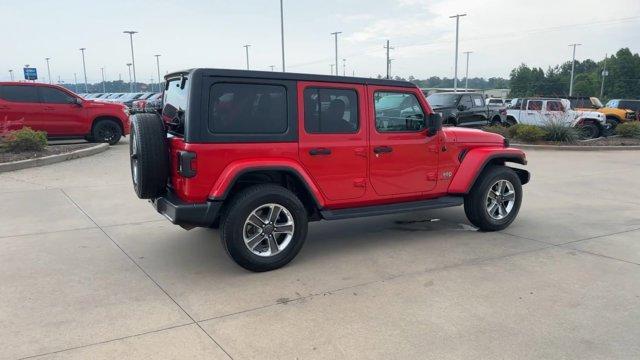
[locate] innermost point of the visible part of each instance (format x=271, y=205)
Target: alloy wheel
x=268, y=230
x=500, y=199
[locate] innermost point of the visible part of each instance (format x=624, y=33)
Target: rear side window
x=19, y=93
x=330, y=111
x=478, y=101
x=55, y=96
x=554, y=106
x=236, y=108
x=534, y=105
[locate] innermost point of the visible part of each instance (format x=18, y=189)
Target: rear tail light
x=187, y=164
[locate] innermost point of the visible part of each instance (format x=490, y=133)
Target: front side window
x=247, y=109
x=19, y=93
x=330, y=111
x=534, y=105
x=466, y=102
x=55, y=96
x=397, y=111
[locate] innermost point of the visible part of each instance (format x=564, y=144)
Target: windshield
x=442, y=100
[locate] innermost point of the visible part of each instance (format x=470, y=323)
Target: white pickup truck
x=544, y=111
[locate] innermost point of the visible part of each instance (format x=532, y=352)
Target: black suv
x=466, y=109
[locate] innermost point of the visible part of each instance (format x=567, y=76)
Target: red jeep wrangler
x=260, y=154
x=60, y=112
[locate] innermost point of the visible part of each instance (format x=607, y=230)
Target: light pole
x=246, y=48
x=344, y=67
x=573, y=67
x=75, y=80
x=335, y=34
x=48, y=70
x=104, y=89
x=388, y=47
x=133, y=60
x=605, y=73
x=84, y=68
x=455, y=75
x=130, y=83
x=390, y=61
x=272, y=67
x=282, y=32
x=11, y=74
x=332, y=65
x=158, y=67
x=466, y=76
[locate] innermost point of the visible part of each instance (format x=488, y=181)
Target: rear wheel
x=264, y=227
x=612, y=124
x=494, y=200
x=149, y=156
x=107, y=131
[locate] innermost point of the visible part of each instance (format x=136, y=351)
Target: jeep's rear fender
x=476, y=160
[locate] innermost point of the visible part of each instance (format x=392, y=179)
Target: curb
x=575, y=147
x=52, y=159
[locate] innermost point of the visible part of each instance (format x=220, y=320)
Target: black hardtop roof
x=275, y=75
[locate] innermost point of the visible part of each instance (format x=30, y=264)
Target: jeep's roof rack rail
x=250, y=74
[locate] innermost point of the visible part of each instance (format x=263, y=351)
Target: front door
x=333, y=140
x=403, y=159
x=60, y=113
x=465, y=111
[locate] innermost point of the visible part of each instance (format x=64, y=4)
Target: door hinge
x=360, y=182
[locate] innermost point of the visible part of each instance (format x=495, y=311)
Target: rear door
x=532, y=113
x=18, y=107
x=333, y=137
x=403, y=159
x=60, y=113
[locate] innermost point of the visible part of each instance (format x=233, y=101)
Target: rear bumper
x=187, y=215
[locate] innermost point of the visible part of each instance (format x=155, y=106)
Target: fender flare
x=233, y=171
x=476, y=160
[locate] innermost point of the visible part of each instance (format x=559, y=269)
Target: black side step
x=443, y=202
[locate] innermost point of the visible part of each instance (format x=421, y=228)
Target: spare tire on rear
x=149, y=155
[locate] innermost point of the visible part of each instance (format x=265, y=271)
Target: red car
x=260, y=154
x=60, y=112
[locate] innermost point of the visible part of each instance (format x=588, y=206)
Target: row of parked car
x=135, y=102
x=587, y=113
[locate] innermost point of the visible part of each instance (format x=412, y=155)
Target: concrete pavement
x=89, y=271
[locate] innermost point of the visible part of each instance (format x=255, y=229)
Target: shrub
x=497, y=129
x=629, y=129
x=513, y=129
x=560, y=132
x=25, y=139
x=530, y=133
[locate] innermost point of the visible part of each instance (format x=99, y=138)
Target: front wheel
x=264, y=227
x=107, y=131
x=494, y=200
x=589, y=130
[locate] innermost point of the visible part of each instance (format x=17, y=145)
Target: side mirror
x=78, y=101
x=435, y=124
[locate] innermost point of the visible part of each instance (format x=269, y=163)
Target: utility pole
x=388, y=47
x=605, y=73
x=48, y=70
x=246, y=48
x=344, y=67
x=573, y=67
x=11, y=74
x=104, y=89
x=130, y=83
x=75, y=81
x=335, y=34
x=390, y=61
x=455, y=75
x=84, y=68
x=332, y=65
x=272, y=67
x=133, y=60
x=282, y=32
x=158, y=68
x=466, y=76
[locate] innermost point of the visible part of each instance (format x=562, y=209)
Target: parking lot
x=89, y=271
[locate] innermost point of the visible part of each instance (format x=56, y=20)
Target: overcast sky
x=211, y=33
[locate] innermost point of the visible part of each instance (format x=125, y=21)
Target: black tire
x=589, y=130
x=613, y=124
x=511, y=121
x=106, y=131
x=475, y=203
x=149, y=156
x=241, y=207
x=496, y=121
